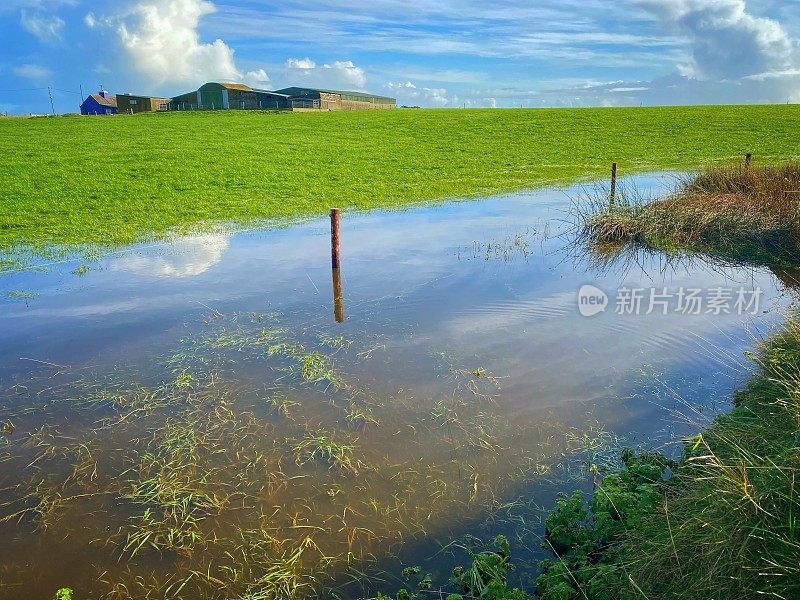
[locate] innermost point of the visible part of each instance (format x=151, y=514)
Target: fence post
x=338, y=303
x=335, y=245
x=613, y=184
x=748, y=158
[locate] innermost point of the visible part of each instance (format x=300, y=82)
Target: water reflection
x=789, y=277
x=451, y=396
x=338, y=299
x=185, y=257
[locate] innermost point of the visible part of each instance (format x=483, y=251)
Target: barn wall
x=125, y=104
x=211, y=98
x=355, y=105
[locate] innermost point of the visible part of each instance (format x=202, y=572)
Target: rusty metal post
x=613, y=183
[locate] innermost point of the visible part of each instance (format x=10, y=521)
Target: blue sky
x=443, y=53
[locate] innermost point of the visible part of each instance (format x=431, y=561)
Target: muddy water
x=189, y=419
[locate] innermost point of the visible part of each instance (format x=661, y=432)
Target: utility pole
x=52, y=106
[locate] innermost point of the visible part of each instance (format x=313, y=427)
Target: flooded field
x=190, y=420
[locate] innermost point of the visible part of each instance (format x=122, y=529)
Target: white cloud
x=162, y=40
x=34, y=73
x=435, y=96
x=256, y=78
x=401, y=86
x=338, y=74
x=725, y=41
x=300, y=63
x=90, y=20
x=47, y=28
x=730, y=56
x=348, y=73
x=410, y=94
x=732, y=48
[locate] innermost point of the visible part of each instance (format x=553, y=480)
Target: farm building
x=312, y=98
x=99, y=104
x=215, y=96
x=237, y=96
x=128, y=103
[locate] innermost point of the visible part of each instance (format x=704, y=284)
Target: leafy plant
x=585, y=536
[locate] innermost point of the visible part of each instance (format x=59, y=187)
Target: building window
x=133, y=102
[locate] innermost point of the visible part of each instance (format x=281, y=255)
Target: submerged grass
x=153, y=180
x=321, y=446
x=226, y=472
x=737, y=214
x=173, y=488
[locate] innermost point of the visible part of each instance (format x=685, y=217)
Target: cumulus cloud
x=338, y=74
x=409, y=93
x=730, y=56
x=725, y=41
x=435, y=96
x=729, y=45
x=162, y=40
x=300, y=63
x=347, y=72
x=256, y=78
x=33, y=73
x=47, y=28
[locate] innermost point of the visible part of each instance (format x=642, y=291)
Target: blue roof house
x=99, y=104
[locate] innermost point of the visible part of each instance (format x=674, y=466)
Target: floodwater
x=189, y=419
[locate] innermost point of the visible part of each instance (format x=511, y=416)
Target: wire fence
x=231, y=228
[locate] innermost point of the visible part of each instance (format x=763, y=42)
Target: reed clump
x=743, y=213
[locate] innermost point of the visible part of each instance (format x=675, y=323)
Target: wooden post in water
x=748, y=158
x=338, y=301
x=335, y=222
x=613, y=183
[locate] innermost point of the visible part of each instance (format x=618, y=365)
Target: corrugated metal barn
x=224, y=96
x=238, y=96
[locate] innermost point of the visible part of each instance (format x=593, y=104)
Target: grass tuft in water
x=740, y=214
x=322, y=447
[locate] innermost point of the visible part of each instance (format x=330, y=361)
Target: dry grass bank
x=749, y=214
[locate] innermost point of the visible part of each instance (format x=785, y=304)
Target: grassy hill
x=112, y=180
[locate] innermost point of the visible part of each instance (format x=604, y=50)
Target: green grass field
x=114, y=180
